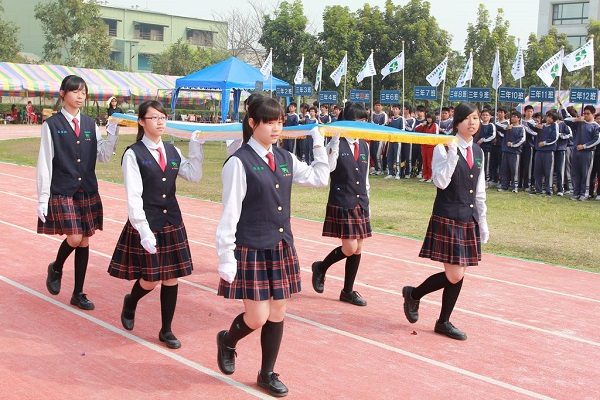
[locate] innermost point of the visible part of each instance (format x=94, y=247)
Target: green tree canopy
x=182, y=58
x=9, y=44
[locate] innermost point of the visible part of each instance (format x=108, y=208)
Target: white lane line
x=397, y=259
x=158, y=349
x=372, y=342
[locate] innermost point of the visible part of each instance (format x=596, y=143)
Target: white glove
x=452, y=147
x=42, y=211
x=149, y=244
x=318, y=139
x=485, y=236
x=111, y=127
x=227, y=271
x=196, y=137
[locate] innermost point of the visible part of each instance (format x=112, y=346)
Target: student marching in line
x=545, y=144
x=586, y=138
x=501, y=123
x=153, y=246
x=257, y=259
x=347, y=214
x=378, y=117
x=512, y=140
x=431, y=127
x=445, y=121
x=68, y=199
x=324, y=116
x=560, y=155
x=393, y=153
x=291, y=119
x=406, y=148
x=485, y=137
x=527, y=158
x=458, y=224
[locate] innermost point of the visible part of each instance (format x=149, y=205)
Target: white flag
x=438, y=74
x=518, y=67
x=319, y=74
x=580, y=58
x=396, y=65
x=496, y=72
x=340, y=71
x=299, y=73
x=367, y=70
x=551, y=68
x=267, y=68
x=467, y=73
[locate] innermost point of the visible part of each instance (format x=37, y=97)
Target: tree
x=594, y=29
x=182, y=58
x=9, y=44
x=286, y=34
x=75, y=33
x=538, y=51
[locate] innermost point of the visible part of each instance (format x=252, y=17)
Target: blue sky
x=452, y=15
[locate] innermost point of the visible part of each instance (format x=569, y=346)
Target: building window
x=116, y=57
x=144, y=63
x=576, y=41
x=200, y=38
x=149, y=32
x=570, y=13
x=111, y=25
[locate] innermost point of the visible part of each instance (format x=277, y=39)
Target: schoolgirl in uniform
x=458, y=224
x=153, y=246
x=68, y=199
x=257, y=258
x=347, y=215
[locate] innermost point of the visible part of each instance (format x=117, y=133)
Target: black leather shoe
x=127, y=316
x=411, y=306
x=272, y=383
x=169, y=339
x=80, y=300
x=225, y=355
x=318, y=278
x=53, y=280
x=446, y=328
x=353, y=298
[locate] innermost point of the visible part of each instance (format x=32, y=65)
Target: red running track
x=532, y=327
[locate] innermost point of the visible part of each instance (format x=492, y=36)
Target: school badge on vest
x=173, y=164
x=284, y=169
x=478, y=162
x=87, y=135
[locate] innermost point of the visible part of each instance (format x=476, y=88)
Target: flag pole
x=345, y=75
x=562, y=49
x=372, y=51
x=470, y=54
x=298, y=105
x=496, y=104
x=403, y=55
x=592, y=66
x=271, y=51
x=443, y=88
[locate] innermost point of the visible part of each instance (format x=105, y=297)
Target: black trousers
x=580, y=171
x=509, y=170
x=559, y=170
x=543, y=169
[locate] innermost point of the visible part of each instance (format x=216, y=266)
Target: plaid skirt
x=172, y=259
x=80, y=214
x=346, y=223
x=264, y=273
x=452, y=242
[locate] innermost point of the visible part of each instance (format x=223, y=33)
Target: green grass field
x=554, y=230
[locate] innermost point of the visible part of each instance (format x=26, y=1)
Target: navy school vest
x=74, y=161
x=160, y=203
x=265, y=217
x=348, y=181
x=457, y=201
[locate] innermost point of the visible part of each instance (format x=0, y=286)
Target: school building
x=570, y=17
x=135, y=34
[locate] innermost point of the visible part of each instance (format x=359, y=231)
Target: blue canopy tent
x=231, y=74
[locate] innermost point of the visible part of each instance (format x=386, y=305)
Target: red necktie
x=271, y=161
x=76, y=124
x=469, y=157
x=355, y=151
x=161, y=159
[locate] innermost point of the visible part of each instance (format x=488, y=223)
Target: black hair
x=445, y=109
x=461, y=112
x=395, y=106
x=143, y=110
x=516, y=114
x=528, y=107
x=315, y=103
x=430, y=115
x=249, y=100
x=72, y=83
x=552, y=114
x=313, y=109
x=325, y=105
x=537, y=115
x=421, y=108
x=486, y=110
x=451, y=108
x=354, y=112
x=590, y=108
x=293, y=103
x=376, y=103
x=261, y=109
x=572, y=111
x=408, y=107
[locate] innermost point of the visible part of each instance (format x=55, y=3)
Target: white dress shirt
x=443, y=166
x=105, y=150
x=190, y=169
x=235, y=186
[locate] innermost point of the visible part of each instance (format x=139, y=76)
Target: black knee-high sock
x=352, y=264
x=270, y=340
x=137, y=292
x=82, y=255
x=449, y=297
x=434, y=282
x=168, y=301
x=64, y=251
x=336, y=255
x=237, y=331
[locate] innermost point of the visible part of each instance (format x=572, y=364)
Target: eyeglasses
x=155, y=118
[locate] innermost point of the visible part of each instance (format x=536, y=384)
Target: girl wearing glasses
x=153, y=247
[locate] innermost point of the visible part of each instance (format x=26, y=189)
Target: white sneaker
x=598, y=197
x=422, y=180
x=388, y=177
x=428, y=181
x=406, y=176
x=419, y=175
x=379, y=173
x=397, y=177
x=561, y=194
